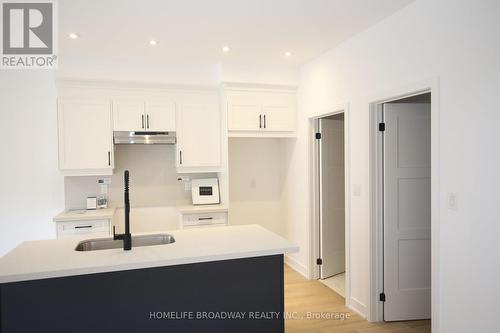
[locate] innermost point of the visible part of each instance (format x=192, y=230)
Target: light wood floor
x=302, y=296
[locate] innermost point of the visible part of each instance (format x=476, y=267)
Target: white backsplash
x=153, y=180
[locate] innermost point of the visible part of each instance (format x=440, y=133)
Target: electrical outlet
x=104, y=181
x=187, y=182
x=356, y=190
x=452, y=201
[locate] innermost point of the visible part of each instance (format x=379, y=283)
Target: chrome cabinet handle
x=83, y=226
x=109, y=158
x=260, y=121
x=204, y=218
x=180, y=156
x=264, y=121
x=147, y=121
x=142, y=117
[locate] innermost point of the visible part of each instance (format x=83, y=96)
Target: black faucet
x=126, y=237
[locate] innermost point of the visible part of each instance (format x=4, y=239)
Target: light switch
x=452, y=201
x=356, y=190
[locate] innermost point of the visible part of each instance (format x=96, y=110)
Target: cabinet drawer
x=204, y=219
x=74, y=228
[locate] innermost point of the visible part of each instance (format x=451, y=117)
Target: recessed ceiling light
x=73, y=35
x=153, y=42
x=225, y=49
x=288, y=54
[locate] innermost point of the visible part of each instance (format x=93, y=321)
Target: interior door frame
x=375, y=311
x=314, y=270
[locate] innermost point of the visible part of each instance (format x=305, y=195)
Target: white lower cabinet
x=203, y=220
x=85, y=135
x=92, y=228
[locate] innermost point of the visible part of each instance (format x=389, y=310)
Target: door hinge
x=319, y=261
x=381, y=127
x=318, y=136
x=382, y=297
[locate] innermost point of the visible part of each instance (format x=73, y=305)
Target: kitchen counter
x=83, y=214
x=34, y=260
x=192, y=209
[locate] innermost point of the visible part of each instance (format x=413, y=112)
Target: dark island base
x=152, y=300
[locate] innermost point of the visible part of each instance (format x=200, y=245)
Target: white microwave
x=205, y=191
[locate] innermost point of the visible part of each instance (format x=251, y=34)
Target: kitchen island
x=226, y=279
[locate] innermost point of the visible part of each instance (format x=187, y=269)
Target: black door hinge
x=382, y=297
x=381, y=127
x=318, y=136
x=319, y=261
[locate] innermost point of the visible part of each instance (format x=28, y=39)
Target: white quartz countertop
x=34, y=260
x=198, y=209
x=83, y=214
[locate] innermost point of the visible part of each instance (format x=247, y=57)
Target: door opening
x=405, y=173
x=332, y=226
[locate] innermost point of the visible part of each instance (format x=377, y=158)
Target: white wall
x=255, y=182
x=153, y=179
x=458, y=42
x=32, y=189
x=154, y=188
x=278, y=75
x=98, y=69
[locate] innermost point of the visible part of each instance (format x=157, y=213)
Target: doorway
x=404, y=176
x=330, y=136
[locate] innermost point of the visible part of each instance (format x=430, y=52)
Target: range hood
x=143, y=138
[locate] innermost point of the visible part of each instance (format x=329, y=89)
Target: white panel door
x=332, y=192
x=198, y=135
x=278, y=110
x=407, y=211
x=160, y=116
x=128, y=115
x=85, y=134
x=244, y=111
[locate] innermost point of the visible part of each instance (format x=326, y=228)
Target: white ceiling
x=194, y=31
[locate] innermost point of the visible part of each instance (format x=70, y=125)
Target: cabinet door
x=244, y=111
x=85, y=134
x=198, y=135
x=129, y=115
x=160, y=116
x=279, y=112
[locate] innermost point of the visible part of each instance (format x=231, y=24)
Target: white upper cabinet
x=160, y=116
x=244, y=111
x=140, y=115
x=198, y=137
x=278, y=110
x=261, y=112
x=128, y=116
x=85, y=137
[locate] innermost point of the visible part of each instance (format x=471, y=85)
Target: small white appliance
x=205, y=191
x=91, y=203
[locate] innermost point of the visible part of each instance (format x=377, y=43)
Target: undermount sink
x=137, y=241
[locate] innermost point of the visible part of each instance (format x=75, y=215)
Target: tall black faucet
x=126, y=237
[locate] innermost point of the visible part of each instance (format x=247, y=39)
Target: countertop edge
x=143, y=265
x=66, y=216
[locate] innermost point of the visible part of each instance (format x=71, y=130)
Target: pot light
x=73, y=35
x=225, y=49
x=153, y=42
x=288, y=54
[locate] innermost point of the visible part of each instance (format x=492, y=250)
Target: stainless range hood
x=143, y=138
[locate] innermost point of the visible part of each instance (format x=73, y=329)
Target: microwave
x=205, y=191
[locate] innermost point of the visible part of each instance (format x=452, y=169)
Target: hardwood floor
x=303, y=296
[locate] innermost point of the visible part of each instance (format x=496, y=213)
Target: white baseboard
x=296, y=266
x=357, y=307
